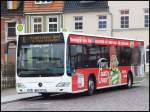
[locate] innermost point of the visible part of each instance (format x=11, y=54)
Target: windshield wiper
x=33, y=69
x=23, y=69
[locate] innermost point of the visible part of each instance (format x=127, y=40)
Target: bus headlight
x=20, y=85
x=63, y=84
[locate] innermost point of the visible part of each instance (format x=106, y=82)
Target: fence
x=7, y=75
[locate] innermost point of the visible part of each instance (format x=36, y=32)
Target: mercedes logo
x=40, y=84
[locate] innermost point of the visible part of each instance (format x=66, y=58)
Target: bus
x=65, y=62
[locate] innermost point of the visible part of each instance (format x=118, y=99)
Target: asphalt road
x=111, y=99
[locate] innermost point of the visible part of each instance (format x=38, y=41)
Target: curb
x=16, y=98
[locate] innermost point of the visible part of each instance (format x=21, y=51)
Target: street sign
x=19, y=29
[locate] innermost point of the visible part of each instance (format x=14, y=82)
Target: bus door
x=138, y=63
x=142, y=66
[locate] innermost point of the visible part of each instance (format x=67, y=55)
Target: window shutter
x=9, y=4
x=12, y=4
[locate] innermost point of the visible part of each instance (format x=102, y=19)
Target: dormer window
x=86, y=2
x=42, y=1
x=146, y=17
x=12, y=5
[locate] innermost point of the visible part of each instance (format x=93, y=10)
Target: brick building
x=11, y=13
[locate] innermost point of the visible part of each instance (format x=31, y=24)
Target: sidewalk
x=8, y=95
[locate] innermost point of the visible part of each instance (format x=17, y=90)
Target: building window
x=147, y=55
x=43, y=1
x=146, y=17
x=146, y=20
x=78, y=21
x=52, y=24
x=12, y=4
x=102, y=22
x=124, y=18
x=11, y=32
x=37, y=24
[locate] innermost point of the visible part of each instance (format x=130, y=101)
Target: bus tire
x=129, y=80
x=91, y=86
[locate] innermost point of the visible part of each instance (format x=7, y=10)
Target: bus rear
x=41, y=64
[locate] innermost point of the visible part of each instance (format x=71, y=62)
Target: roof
x=7, y=12
x=84, y=6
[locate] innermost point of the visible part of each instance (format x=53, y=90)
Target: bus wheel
x=129, y=81
x=91, y=86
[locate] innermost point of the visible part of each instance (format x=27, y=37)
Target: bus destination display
x=41, y=39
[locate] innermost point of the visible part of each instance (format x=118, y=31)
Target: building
x=11, y=13
x=43, y=16
x=130, y=19
x=91, y=17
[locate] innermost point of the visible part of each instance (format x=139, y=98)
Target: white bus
x=63, y=62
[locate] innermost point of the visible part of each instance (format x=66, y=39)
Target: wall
x=142, y=34
x=90, y=22
x=136, y=12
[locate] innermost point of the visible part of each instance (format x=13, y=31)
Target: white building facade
x=91, y=17
x=89, y=22
x=130, y=19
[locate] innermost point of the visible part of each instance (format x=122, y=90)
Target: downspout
x=111, y=17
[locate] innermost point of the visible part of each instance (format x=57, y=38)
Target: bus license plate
x=40, y=90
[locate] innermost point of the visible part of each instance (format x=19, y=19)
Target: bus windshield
x=40, y=60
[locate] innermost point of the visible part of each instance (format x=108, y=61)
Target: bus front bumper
x=62, y=87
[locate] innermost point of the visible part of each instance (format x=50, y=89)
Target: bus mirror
x=71, y=72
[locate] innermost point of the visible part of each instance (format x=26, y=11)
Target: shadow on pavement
x=81, y=95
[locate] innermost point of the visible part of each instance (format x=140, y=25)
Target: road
x=111, y=99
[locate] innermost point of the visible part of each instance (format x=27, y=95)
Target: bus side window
x=76, y=56
x=136, y=56
x=124, y=55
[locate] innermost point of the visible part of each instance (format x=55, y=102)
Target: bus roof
x=84, y=34
x=104, y=36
